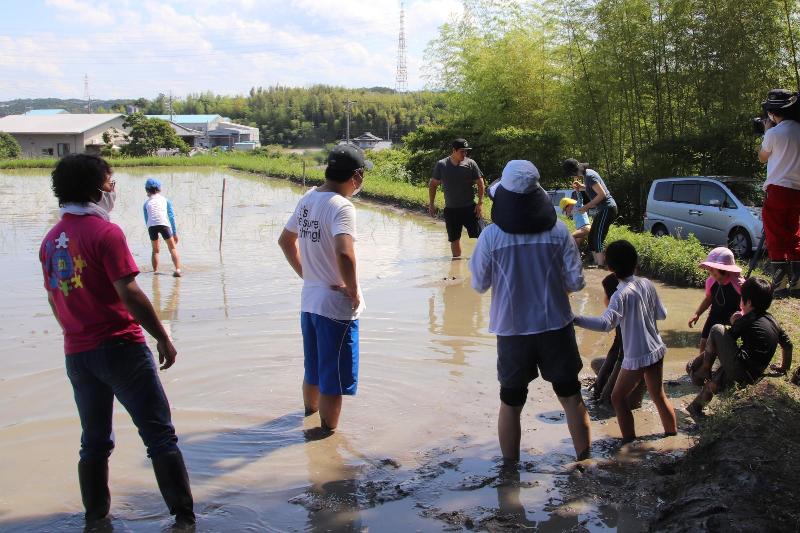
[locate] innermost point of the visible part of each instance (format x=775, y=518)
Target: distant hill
x=17, y=107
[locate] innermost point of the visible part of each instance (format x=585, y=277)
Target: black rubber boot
x=780, y=269
x=173, y=482
x=794, y=280
x=93, y=478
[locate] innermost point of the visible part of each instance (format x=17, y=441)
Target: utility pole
x=86, y=95
x=170, y=105
x=348, y=105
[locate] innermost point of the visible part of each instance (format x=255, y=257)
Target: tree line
x=315, y=115
x=312, y=116
x=640, y=89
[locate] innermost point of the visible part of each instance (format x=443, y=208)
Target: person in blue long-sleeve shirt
x=160, y=219
x=530, y=261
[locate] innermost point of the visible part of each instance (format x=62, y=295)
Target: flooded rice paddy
x=417, y=447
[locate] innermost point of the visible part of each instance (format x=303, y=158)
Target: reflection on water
x=334, y=487
x=455, y=315
x=424, y=420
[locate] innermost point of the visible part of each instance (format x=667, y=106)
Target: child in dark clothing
x=723, y=289
x=607, y=369
x=760, y=335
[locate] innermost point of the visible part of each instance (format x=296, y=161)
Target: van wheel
x=739, y=242
x=660, y=230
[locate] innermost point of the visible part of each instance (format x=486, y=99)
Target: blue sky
x=132, y=48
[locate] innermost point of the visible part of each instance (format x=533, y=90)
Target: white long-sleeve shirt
x=635, y=306
x=531, y=276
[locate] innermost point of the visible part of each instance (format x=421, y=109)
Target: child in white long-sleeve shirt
x=160, y=219
x=635, y=307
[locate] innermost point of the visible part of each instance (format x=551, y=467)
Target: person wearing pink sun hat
x=723, y=296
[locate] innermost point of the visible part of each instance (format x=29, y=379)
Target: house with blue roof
x=45, y=112
x=215, y=130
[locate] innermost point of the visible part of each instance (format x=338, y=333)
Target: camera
x=758, y=124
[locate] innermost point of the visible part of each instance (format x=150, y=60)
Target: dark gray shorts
x=155, y=231
x=554, y=354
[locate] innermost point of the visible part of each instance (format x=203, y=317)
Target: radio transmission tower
x=401, y=81
x=86, y=95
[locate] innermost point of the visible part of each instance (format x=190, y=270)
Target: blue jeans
x=125, y=370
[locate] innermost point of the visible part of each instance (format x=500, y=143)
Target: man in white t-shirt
x=318, y=244
x=780, y=150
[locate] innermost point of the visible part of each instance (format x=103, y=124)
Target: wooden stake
x=222, y=212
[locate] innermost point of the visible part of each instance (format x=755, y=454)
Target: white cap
x=520, y=176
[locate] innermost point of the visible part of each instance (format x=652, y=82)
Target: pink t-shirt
x=82, y=257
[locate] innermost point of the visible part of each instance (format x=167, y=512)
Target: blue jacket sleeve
x=144, y=208
x=573, y=268
x=480, y=264
x=171, y=215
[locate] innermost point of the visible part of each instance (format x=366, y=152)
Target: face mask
x=358, y=189
x=106, y=201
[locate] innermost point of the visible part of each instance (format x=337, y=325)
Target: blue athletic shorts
x=330, y=349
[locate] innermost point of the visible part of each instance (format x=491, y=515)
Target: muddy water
x=417, y=447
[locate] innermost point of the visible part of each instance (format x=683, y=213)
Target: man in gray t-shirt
x=458, y=173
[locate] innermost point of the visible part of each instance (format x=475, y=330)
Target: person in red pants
x=780, y=150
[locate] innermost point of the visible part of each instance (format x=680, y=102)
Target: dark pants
x=600, y=226
x=732, y=369
x=125, y=370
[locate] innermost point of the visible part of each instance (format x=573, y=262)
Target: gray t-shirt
x=589, y=180
x=457, y=181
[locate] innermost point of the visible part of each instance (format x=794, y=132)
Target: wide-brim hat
x=722, y=259
x=520, y=176
x=779, y=99
x=520, y=205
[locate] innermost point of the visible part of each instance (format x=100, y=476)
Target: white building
x=367, y=141
x=60, y=134
x=215, y=129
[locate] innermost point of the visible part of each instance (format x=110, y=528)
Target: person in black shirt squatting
x=760, y=335
x=457, y=173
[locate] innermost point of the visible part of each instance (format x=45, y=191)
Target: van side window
x=709, y=192
x=685, y=193
x=663, y=192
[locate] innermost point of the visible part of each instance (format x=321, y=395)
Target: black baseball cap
x=348, y=158
x=461, y=144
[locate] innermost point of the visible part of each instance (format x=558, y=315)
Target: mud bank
x=742, y=474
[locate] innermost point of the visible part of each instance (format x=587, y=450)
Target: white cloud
x=76, y=11
x=226, y=46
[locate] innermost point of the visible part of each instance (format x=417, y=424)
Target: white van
x=718, y=210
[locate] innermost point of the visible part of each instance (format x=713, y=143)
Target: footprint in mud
x=389, y=462
x=474, y=482
x=552, y=417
